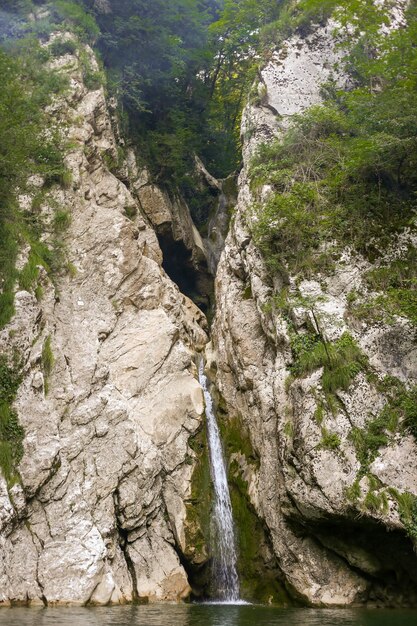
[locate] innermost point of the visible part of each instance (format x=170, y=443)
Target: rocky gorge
x=112, y=500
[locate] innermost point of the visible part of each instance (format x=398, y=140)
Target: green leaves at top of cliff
x=181, y=70
x=237, y=55
x=157, y=54
x=19, y=18
x=29, y=145
x=346, y=171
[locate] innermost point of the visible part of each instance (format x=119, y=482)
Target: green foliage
x=367, y=309
x=156, y=54
x=329, y=441
x=47, y=360
x=93, y=79
x=360, y=18
x=302, y=344
x=345, y=173
x=376, y=502
x=25, y=150
x=407, y=406
x=407, y=506
x=82, y=23
x=319, y=413
x=341, y=360
x=401, y=407
x=11, y=433
x=400, y=411
x=181, y=70
x=368, y=441
x=236, y=42
x=353, y=493
x=61, y=47
x=376, y=498
x=39, y=292
x=398, y=282
x=61, y=221
x=29, y=274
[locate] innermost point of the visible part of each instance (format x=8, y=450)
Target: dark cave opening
x=384, y=557
x=192, y=277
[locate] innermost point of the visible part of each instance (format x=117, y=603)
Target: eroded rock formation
x=99, y=513
x=113, y=501
x=332, y=548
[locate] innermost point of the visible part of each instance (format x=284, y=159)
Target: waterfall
x=225, y=576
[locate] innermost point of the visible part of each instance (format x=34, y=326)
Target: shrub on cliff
x=346, y=172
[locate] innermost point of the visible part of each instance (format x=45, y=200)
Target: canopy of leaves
x=181, y=70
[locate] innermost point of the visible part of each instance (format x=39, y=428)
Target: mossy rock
x=259, y=576
x=197, y=524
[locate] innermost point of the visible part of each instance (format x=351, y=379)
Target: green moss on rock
x=198, y=507
x=11, y=433
x=259, y=576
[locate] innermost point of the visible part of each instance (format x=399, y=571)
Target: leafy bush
x=11, y=433
x=62, y=220
x=345, y=173
x=369, y=440
x=341, y=361
x=403, y=407
x=61, y=47
x=329, y=441
x=407, y=506
x=83, y=23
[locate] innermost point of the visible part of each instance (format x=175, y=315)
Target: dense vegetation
x=346, y=170
x=30, y=146
x=11, y=433
x=181, y=71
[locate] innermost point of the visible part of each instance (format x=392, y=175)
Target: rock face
x=332, y=547
x=98, y=516
x=183, y=249
x=113, y=495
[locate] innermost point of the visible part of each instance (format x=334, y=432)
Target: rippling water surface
x=204, y=615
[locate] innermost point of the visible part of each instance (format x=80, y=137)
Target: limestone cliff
x=110, y=501
x=109, y=396
x=335, y=521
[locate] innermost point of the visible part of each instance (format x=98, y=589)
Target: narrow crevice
x=198, y=575
x=190, y=275
x=123, y=543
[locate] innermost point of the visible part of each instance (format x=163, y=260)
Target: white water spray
x=224, y=562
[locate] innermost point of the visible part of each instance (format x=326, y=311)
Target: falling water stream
x=225, y=578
